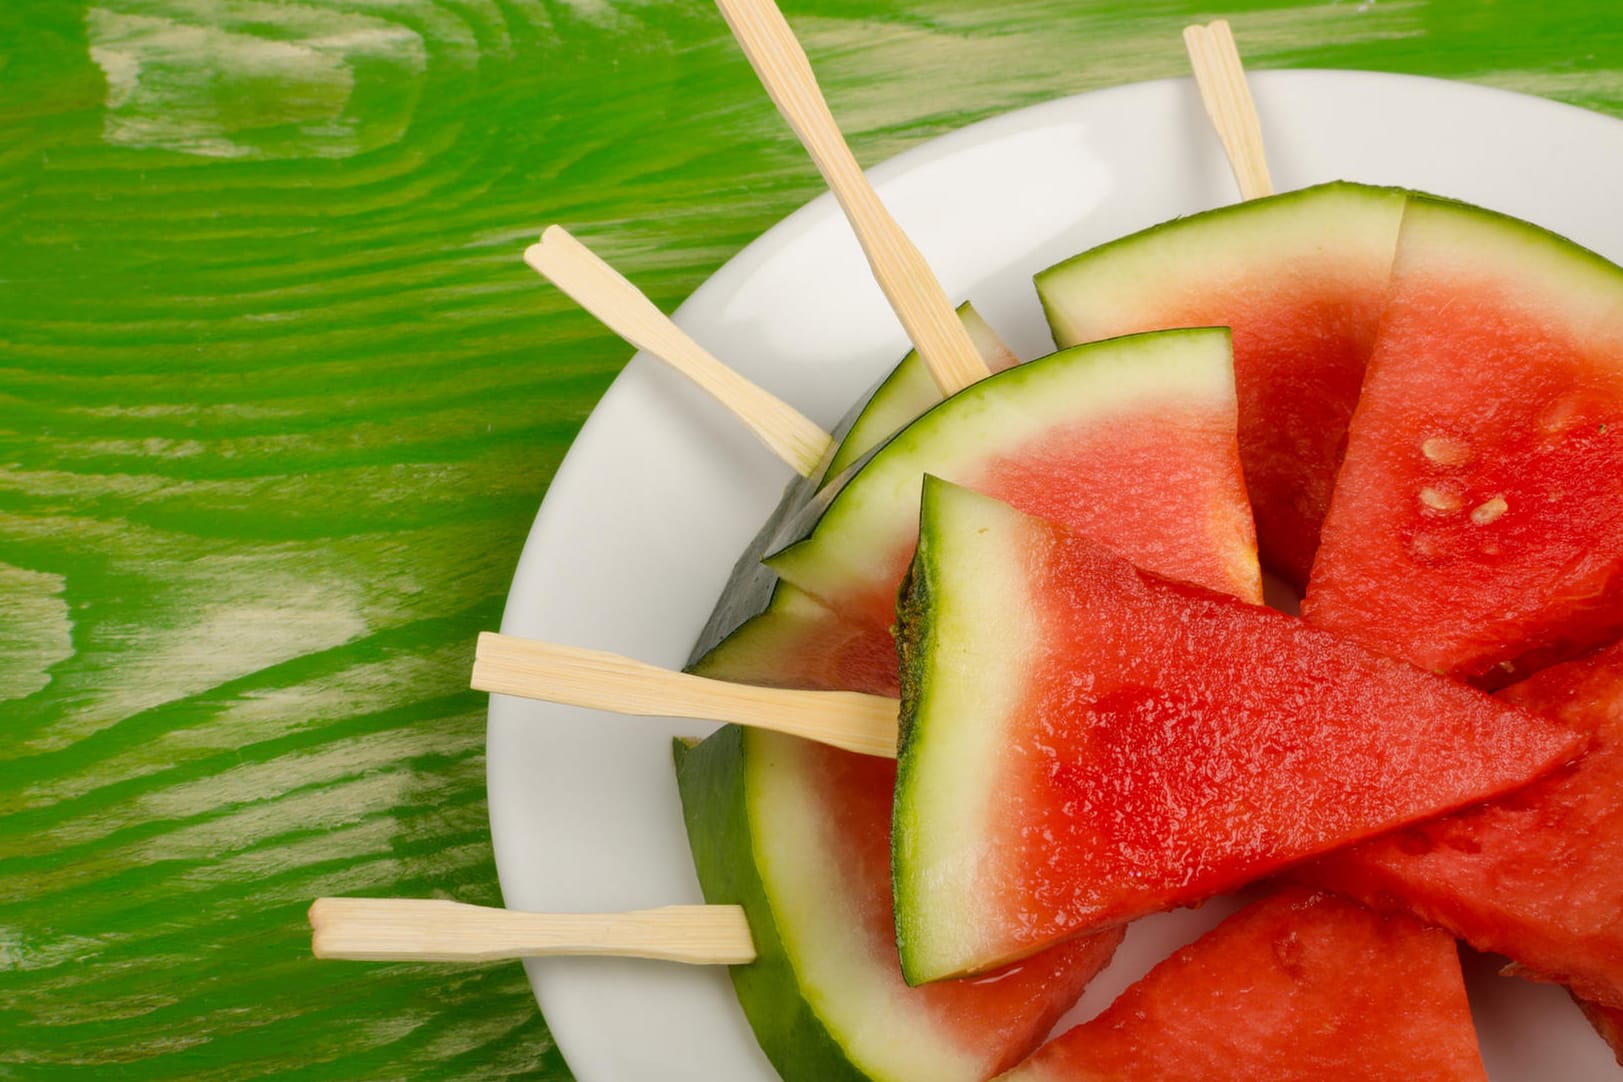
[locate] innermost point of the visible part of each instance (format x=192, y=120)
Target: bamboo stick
x=434, y=930
x=1223, y=90
x=904, y=276
x=604, y=681
x=625, y=310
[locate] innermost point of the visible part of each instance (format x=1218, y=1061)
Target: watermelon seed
x=1438, y=500
x=1445, y=452
x=1489, y=510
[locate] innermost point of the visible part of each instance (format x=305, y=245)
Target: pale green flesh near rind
x=818, y=1007
x=908, y=392
x=1555, y=275
x=973, y=590
x=1100, y=291
x=876, y=514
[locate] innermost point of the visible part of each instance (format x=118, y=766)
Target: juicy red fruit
x=1296, y=987
x=1537, y=875
x=1477, y=523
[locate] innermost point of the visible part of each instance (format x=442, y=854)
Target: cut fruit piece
x=908, y=392
x=798, y=834
x=1477, y=523
x=1084, y=742
x=1296, y=988
x=1133, y=437
x=1301, y=278
x=1536, y=876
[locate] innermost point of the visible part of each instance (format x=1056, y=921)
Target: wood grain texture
x=278, y=400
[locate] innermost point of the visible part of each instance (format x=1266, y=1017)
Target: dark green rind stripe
x=713, y=778
x=915, y=601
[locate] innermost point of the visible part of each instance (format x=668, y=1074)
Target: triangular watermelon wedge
x=1134, y=435
x=1476, y=526
x=1301, y=278
x=1296, y=988
x=1084, y=742
x=1536, y=876
x=1100, y=436
x=1132, y=438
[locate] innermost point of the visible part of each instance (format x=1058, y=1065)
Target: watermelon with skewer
x=1084, y=742
x=1132, y=438
x=799, y=833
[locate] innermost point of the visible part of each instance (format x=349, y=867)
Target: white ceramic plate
x=662, y=490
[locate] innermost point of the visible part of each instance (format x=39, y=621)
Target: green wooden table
x=278, y=402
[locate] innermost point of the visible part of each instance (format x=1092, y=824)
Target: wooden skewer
x=903, y=275
x=625, y=310
x=1228, y=101
x=605, y=681
x=433, y=930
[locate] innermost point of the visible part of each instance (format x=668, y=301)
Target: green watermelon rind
x=713, y=788
x=750, y=654
x=752, y=597
x=1529, y=233
x=907, y=393
x=926, y=612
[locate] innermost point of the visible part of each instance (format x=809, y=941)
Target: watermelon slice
x=1101, y=436
x=1084, y=742
x=1301, y=278
x=1477, y=523
x=798, y=833
x=1537, y=875
x=1296, y=987
x=907, y=392
x=1134, y=436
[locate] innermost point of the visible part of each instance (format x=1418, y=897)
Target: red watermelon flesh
x=1301, y=278
x=1537, y=875
x=1476, y=527
x=1084, y=742
x=1299, y=986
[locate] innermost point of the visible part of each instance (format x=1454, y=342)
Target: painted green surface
x=278, y=401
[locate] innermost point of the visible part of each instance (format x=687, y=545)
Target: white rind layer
x=973, y=664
